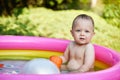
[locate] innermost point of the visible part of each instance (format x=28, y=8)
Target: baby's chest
x=77, y=53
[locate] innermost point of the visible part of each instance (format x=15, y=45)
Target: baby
x=79, y=55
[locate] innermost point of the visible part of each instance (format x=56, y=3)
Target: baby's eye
x=77, y=30
x=87, y=31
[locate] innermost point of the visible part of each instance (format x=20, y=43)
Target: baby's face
x=83, y=31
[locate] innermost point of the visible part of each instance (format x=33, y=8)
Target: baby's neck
x=80, y=44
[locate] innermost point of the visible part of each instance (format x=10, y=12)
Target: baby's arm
x=65, y=58
x=88, y=59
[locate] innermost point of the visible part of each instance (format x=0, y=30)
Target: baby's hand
x=76, y=71
x=83, y=69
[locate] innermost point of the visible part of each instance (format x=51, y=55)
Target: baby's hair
x=82, y=16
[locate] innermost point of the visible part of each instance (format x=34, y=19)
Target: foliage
x=15, y=26
x=7, y=7
x=67, y=4
x=57, y=24
x=112, y=12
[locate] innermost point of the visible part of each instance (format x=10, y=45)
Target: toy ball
x=56, y=60
x=40, y=66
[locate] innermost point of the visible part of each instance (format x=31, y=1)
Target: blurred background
x=53, y=18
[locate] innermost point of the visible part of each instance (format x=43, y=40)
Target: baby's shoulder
x=71, y=44
x=90, y=46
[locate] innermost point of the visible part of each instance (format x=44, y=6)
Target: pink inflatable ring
x=105, y=57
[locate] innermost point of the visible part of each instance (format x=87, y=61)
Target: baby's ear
x=93, y=33
x=71, y=32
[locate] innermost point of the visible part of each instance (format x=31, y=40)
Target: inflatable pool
x=26, y=48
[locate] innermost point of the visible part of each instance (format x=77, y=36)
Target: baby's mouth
x=82, y=38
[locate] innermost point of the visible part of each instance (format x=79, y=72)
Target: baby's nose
x=82, y=33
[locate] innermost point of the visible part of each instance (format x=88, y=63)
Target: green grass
x=57, y=24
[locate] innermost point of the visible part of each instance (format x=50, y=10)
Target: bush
x=112, y=12
x=57, y=24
